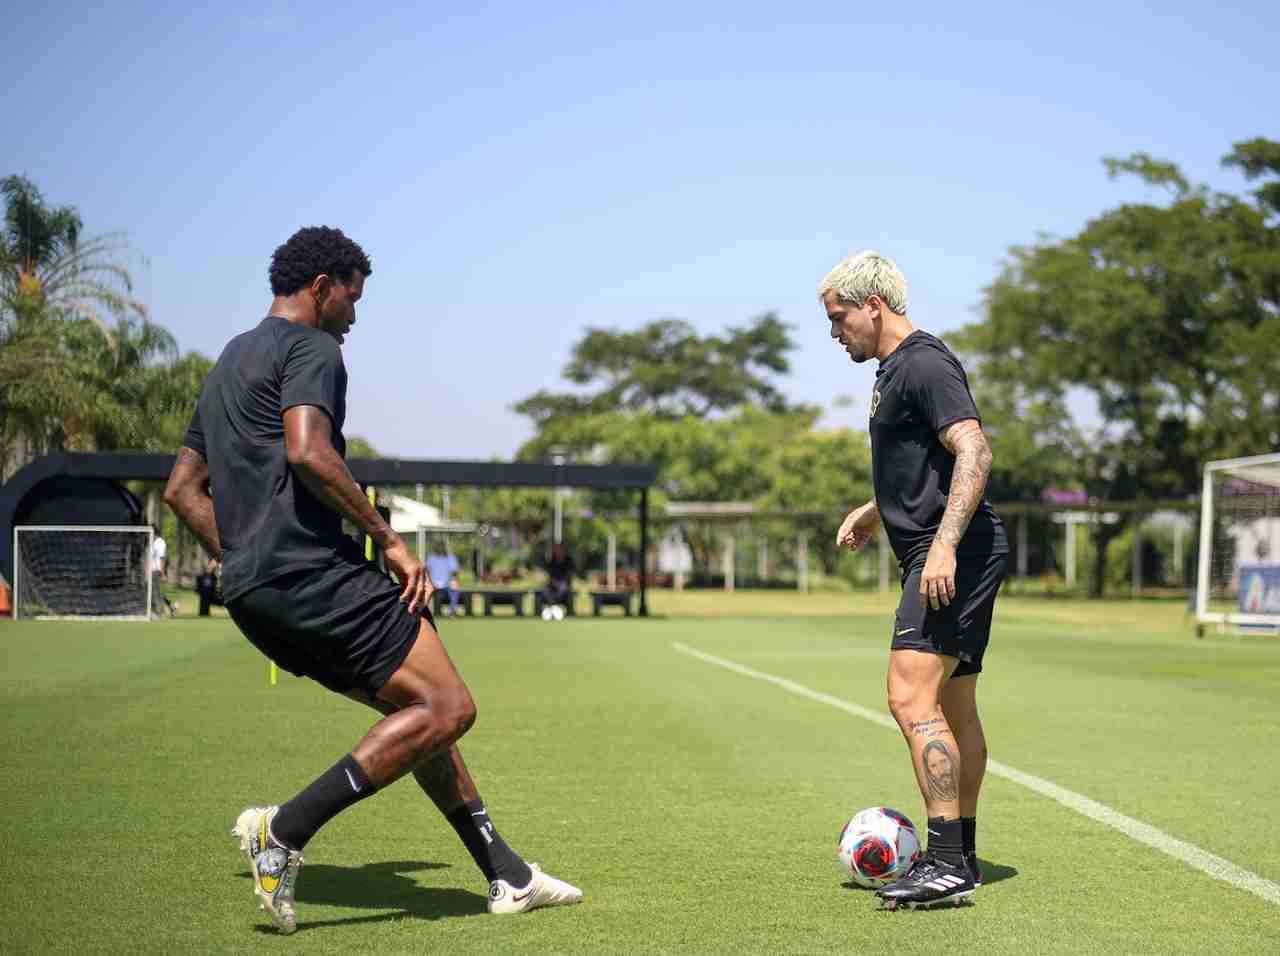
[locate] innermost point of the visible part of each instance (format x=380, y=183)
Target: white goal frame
x=1203, y=614
x=17, y=571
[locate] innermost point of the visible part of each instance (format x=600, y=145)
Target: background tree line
x=1165, y=314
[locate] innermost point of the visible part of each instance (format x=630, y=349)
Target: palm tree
x=79, y=358
x=46, y=267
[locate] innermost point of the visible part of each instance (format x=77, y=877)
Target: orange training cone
x=6, y=606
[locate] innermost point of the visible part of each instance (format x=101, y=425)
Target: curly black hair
x=313, y=251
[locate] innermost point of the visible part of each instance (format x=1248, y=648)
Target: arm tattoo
x=968, y=478
x=188, y=495
x=940, y=771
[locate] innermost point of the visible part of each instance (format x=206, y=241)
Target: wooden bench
x=622, y=599
x=492, y=599
x=540, y=601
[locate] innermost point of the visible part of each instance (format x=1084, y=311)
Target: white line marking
x=1188, y=853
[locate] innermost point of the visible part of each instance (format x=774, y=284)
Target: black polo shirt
x=269, y=522
x=920, y=390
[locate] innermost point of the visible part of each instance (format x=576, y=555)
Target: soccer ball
x=876, y=847
x=548, y=614
x=557, y=611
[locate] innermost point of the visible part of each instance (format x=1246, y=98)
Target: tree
x=1165, y=314
x=47, y=268
x=81, y=364
x=666, y=369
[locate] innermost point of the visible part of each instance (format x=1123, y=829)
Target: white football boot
x=275, y=868
x=543, y=890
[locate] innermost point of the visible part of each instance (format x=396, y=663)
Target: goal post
x=1238, y=575
x=74, y=572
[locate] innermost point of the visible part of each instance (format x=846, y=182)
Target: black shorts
x=342, y=626
x=962, y=628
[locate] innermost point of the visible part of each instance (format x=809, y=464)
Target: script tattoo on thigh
x=940, y=771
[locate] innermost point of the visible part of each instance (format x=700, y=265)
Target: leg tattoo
x=940, y=771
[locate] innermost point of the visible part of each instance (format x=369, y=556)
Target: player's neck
x=895, y=330
x=298, y=307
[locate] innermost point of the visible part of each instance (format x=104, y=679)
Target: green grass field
x=698, y=808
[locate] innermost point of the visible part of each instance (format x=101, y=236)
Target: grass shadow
x=994, y=872
x=380, y=886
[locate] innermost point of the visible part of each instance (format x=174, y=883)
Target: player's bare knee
x=461, y=712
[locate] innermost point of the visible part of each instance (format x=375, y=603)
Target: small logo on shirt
x=905, y=630
x=875, y=402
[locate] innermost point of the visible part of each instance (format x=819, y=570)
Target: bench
x=540, y=601
x=492, y=599
x=622, y=599
x=440, y=601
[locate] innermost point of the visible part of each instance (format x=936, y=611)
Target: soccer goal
x=1239, y=573
x=68, y=573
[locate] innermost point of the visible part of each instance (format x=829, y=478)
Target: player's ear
x=321, y=286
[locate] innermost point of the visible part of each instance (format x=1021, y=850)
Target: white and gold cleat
x=275, y=868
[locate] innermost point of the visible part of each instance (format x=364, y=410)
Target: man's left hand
x=938, y=582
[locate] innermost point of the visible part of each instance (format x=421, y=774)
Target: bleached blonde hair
x=863, y=274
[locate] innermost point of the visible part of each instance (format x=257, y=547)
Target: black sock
x=328, y=795
x=945, y=840
x=969, y=831
x=496, y=860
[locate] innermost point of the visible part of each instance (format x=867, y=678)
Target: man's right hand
x=413, y=577
x=858, y=527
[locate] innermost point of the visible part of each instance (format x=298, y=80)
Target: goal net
x=82, y=572
x=1239, y=572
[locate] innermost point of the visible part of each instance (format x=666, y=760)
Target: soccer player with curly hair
x=261, y=479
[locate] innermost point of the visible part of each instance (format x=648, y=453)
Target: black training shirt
x=920, y=390
x=269, y=523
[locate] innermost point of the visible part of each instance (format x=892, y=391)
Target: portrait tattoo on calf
x=940, y=771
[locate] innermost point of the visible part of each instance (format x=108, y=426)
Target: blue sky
x=518, y=172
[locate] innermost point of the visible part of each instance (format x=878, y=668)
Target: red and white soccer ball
x=877, y=846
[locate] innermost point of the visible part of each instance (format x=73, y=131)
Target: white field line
x=1188, y=853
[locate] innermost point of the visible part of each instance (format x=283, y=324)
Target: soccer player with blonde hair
x=930, y=461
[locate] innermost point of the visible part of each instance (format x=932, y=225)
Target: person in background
x=443, y=569
x=159, y=602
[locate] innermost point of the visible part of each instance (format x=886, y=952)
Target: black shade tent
x=19, y=492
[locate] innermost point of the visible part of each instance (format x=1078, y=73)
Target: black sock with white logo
x=343, y=784
x=496, y=860
x=969, y=834
x=946, y=842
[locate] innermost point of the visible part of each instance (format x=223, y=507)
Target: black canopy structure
x=18, y=494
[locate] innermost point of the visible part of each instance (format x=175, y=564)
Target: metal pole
x=644, y=549
x=1136, y=581
x=727, y=559
x=1070, y=544
x=802, y=561
x=1179, y=575
x=1206, y=537
x=611, y=561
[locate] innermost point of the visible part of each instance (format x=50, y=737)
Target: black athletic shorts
x=342, y=626
x=962, y=628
